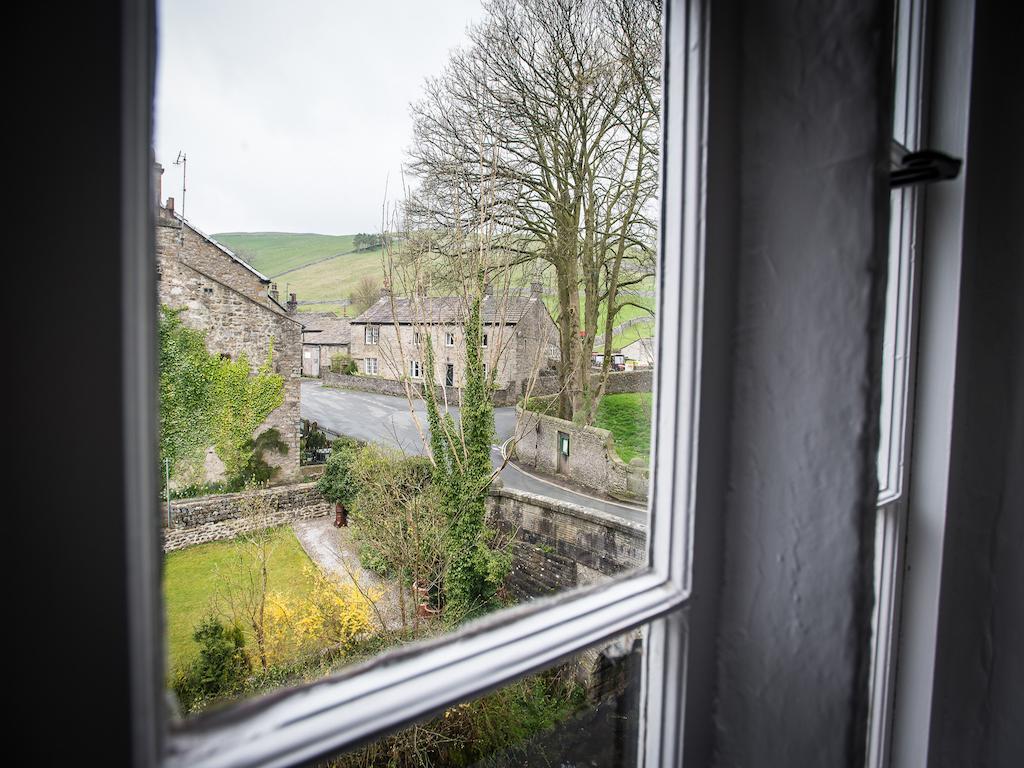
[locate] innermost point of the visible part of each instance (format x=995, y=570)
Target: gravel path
x=334, y=551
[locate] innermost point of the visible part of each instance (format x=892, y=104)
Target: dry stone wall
x=381, y=386
x=224, y=516
x=559, y=546
x=592, y=461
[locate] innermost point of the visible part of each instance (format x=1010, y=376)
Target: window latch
x=923, y=167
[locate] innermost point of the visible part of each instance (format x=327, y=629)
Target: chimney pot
x=536, y=288
x=292, y=303
x=170, y=204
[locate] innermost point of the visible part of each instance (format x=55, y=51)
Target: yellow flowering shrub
x=330, y=618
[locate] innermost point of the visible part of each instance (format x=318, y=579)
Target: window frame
x=371, y=334
x=366, y=366
x=898, y=377
x=410, y=683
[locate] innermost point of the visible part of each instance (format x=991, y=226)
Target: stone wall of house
x=559, y=546
x=224, y=516
x=592, y=462
x=195, y=250
x=235, y=323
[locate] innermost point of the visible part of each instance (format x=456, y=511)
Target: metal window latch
x=923, y=167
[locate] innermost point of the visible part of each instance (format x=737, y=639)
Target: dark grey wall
x=813, y=116
x=977, y=716
x=67, y=547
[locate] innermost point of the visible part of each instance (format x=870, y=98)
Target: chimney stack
x=488, y=289
x=273, y=291
x=170, y=205
x=536, y=288
x=292, y=304
x=158, y=172
x=385, y=290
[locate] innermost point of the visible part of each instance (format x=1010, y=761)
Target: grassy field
x=190, y=583
x=274, y=252
x=628, y=418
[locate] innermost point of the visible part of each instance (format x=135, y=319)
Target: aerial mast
x=183, y=162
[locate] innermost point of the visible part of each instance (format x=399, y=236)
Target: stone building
x=519, y=338
x=324, y=335
x=230, y=302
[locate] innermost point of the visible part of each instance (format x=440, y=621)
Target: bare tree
x=364, y=295
x=242, y=589
x=562, y=99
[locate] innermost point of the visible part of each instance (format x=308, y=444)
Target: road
x=388, y=421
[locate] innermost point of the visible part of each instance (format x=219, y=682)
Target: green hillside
x=275, y=252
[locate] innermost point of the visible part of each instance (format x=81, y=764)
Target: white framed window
x=371, y=334
x=483, y=340
x=449, y=339
x=898, y=368
x=370, y=366
x=415, y=369
x=302, y=723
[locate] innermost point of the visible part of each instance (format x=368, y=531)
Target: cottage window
x=371, y=334
x=483, y=341
x=370, y=366
x=415, y=369
x=449, y=339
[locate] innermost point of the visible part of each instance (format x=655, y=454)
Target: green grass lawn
x=628, y=418
x=190, y=583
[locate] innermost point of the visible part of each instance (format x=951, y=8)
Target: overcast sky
x=294, y=115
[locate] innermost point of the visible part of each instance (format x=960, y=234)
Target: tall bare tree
x=562, y=98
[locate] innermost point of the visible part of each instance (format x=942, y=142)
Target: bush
x=337, y=483
x=344, y=364
x=219, y=670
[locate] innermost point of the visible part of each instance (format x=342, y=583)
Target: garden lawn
x=190, y=584
x=628, y=418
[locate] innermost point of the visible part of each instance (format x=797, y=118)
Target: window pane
x=583, y=712
x=370, y=439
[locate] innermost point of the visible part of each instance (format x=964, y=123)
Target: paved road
x=388, y=420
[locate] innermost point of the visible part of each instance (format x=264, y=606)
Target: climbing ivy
x=207, y=400
x=461, y=475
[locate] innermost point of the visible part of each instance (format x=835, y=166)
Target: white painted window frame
x=415, y=369
x=409, y=683
x=449, y=338
x=371, y=334
x=367, y=367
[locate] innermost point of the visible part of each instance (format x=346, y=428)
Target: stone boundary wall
x=593, y=461
x=381, y=386
x=218, y=517
x=618, y=383
x=558, y=546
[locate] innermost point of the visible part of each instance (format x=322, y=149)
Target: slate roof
x=324, y=328
x=445, y=310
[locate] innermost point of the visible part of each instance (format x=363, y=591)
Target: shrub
x=341, y=363
x=218, y=671
x=328, y=620
x=337, y=483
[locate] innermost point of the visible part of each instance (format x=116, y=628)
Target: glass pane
x=583, y=712
x=387, y=409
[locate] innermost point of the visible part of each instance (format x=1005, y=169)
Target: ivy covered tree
x=462, y=474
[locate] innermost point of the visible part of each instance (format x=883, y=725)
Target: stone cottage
x=230, y=302
x=324, y=335
x=518, y=339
